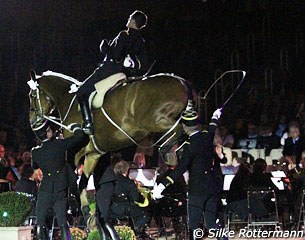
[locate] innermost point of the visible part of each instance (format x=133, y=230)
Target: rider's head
x=137, y=20
x=190, y=121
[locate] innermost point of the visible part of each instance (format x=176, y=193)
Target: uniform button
x=57, y=171
x=49, y=174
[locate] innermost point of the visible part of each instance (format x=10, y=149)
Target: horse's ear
x=33, y=74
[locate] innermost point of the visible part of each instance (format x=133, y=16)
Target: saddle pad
x=102, y=87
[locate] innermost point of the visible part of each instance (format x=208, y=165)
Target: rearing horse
x=150, y=105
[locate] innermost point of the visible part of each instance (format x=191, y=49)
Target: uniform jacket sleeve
x=141, y=61
x=71, y=141
x=118, y=45
x=212, y=128
x=133, y=193
x=34, y=158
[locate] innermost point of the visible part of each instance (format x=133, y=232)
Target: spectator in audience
x=294, y=144
x=267, y=140
x=26, y=157
x=237, y=195
x=227, y=139
x=27, y=184
x=252, y=131
x=238, y=132
x=4, y=169
x=282, y=127
x=13, y=174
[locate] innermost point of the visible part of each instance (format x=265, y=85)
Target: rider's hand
x=217, y=114
x=156, y=192
x=128, y=62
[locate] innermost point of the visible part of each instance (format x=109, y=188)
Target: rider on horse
x=126, y=51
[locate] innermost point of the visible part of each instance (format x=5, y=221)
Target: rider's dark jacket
x=130, y=42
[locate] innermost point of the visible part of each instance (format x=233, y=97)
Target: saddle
x=96, y=98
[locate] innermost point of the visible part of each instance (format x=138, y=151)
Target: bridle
x=36, y=106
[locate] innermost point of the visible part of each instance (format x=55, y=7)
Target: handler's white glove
x=158, y=189
x=217, y=114
x=128, y=62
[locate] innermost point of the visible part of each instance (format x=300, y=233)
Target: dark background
x=197, y=40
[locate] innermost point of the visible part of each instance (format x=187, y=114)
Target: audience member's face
x=26, y=157
x=239, y=124
x=251, y=128
x=294, y=132
x=49, y=133
x=2, y=151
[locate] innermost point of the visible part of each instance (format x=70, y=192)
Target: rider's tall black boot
x=84, y=107
x=65, y=232
x=41, y=233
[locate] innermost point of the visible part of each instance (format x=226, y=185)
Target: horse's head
x=40, y=105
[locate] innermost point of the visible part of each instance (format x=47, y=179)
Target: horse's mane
x=68, y=79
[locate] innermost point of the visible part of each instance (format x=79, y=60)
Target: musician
x=237, y=195
x=198, y=155
x=259, y=180
x=50, y=157
x=175, y=203
x=125, y=53
x=125, y=197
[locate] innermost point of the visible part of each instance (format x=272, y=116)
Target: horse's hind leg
x=90, y=163
x=79, y=155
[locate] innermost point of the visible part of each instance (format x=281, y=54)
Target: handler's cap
x=190, y=118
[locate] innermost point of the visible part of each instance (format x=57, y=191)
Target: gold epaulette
x=170, y=179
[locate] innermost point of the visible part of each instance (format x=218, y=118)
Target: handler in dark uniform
x=126, y=51
x=104, y=183
x=197, y=157
x=50, y=157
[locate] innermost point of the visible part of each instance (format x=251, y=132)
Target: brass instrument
x=145, y=192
